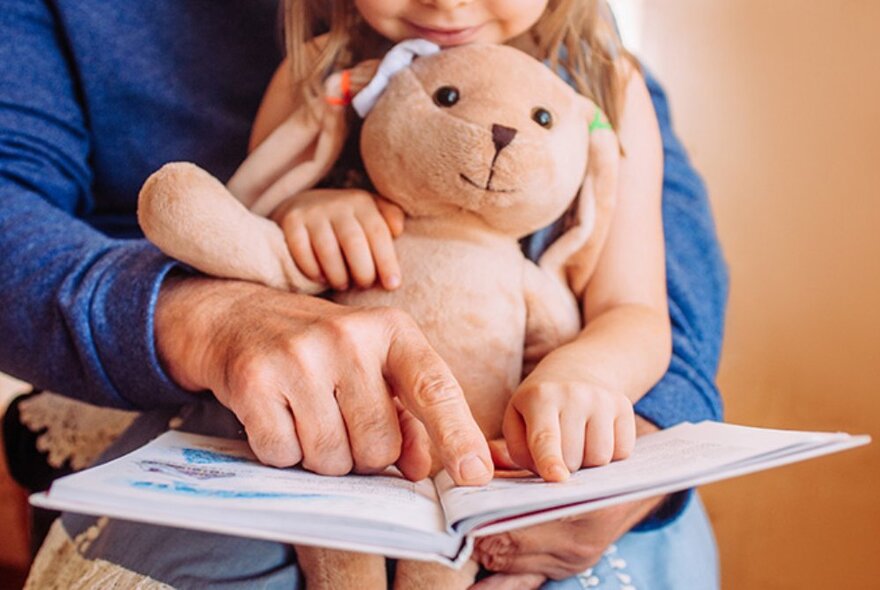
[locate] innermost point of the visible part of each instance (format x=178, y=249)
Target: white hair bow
x=399, y=57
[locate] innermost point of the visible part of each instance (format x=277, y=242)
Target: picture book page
x=178, y=471
x=679, y=452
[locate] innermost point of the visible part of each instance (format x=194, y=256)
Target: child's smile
x=451, y=22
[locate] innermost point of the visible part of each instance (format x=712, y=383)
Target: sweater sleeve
x=76, y=307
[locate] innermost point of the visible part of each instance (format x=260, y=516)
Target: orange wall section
x=779, y=104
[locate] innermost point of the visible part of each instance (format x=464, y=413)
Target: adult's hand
x=525, y=558
x=337, y=388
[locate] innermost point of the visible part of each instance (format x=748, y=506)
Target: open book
x=214, y=484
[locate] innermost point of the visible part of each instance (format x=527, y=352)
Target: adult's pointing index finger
x=426, y=387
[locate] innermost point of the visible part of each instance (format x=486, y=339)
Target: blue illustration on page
x=181, y=488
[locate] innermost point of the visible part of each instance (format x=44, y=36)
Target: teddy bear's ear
x=573, y=256
x=303, y=149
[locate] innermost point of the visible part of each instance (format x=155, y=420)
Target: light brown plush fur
x=472, y=178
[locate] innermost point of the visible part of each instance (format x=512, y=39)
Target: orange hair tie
x=345, y=87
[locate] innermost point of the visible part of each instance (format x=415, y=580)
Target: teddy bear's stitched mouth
x=485, y=188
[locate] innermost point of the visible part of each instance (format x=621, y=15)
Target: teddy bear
x=479, y=145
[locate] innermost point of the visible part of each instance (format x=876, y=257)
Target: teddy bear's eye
x=542, y=117
x=446, y=96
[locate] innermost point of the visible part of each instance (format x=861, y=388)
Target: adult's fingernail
x=393, y=282
x=472, y=469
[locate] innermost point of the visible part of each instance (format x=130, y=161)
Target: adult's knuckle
x=371, y=425
x=454, y=441
x=343, y=332
x=325, y=441
x=432, y=390
x=327, y=465
x=297, y=351
x=327, y=454
x=273, y=450
x=375, y=432
x=542, y=438
x=375, y=442
x=394, y=317
x=250, y=371
x=378, y=456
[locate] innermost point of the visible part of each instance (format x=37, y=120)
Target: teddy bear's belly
x=468, y=300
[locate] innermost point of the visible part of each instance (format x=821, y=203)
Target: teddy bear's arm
x=552, y=314
x=192, y=217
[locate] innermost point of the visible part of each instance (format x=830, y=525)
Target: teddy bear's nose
x=502, y=136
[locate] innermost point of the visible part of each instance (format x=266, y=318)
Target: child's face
x=451, y=22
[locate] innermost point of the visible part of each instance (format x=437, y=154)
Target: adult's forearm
x=76, y=307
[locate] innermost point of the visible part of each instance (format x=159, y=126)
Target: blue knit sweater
x=95, y=95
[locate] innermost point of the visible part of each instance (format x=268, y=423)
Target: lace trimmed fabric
x=72, y=430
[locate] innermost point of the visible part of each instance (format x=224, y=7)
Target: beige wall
x=779, y=103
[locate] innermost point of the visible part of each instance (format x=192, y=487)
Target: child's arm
x=575, y=408
x=338, y=236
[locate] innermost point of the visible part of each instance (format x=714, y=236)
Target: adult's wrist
x=189, y=310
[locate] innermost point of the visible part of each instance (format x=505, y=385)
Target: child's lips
x=446, y=36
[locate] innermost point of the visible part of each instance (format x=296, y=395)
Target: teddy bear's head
x=481, y=128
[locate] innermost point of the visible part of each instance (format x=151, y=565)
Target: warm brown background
x=779, y=104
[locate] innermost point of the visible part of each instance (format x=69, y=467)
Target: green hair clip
x=599, y=121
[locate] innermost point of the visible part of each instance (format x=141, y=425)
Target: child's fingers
x=329, y=254
x=545, y=444
x=599, y=442
x=573, y=437
x=624, y=435
x=539, y=417
x=382, y=248
x=356, y=249
x=300, y=246
x=393, y=215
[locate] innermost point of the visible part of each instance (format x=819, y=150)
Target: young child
x=575, y=408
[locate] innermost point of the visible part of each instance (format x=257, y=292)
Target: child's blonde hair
x=576, y=36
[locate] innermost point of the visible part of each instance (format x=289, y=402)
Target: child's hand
x=559, y=420
x=340, y=236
